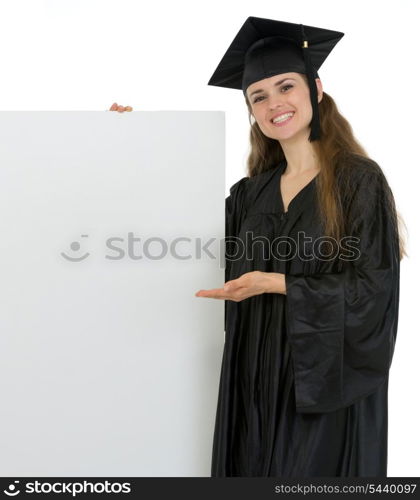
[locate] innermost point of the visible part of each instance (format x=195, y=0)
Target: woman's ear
x=319, y=89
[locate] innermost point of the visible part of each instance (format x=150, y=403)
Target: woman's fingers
x=221, y=293
x=215, y=293
x=119, y=108
x=247, y=285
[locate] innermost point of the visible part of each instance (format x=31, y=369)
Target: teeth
x=282, y=118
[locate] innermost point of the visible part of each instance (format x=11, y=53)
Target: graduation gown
x=304, y=375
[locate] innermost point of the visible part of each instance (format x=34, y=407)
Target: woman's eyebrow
x=276, y=84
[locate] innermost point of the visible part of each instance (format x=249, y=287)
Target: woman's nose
x=275, y=102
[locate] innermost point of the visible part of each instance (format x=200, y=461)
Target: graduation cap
x=266, y=47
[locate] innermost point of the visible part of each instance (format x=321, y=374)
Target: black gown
x=304, y=376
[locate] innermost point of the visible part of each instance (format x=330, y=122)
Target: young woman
x=312, y=274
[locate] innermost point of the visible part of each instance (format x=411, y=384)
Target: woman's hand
x=247, y=285
x=119, y=108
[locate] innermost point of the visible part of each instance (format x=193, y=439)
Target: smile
x=279, y=121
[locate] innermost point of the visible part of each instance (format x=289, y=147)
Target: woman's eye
x=262, y=97
x=286, y=86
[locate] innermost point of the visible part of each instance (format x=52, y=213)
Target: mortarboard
x=266, y=47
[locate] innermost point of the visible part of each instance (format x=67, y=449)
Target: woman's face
x=286, y=93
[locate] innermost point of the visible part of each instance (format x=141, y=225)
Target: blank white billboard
x=109, y=224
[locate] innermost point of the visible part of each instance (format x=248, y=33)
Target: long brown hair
x=333, y=150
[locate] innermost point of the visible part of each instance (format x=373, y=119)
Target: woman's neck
x=300, y=156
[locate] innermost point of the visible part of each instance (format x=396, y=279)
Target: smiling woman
x=282, y=110
x=313, y=251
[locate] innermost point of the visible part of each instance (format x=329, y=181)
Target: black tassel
x=315, y=124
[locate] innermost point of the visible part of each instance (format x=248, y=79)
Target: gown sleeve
x=342, y=326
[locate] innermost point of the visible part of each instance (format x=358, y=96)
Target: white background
x=86, y=54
